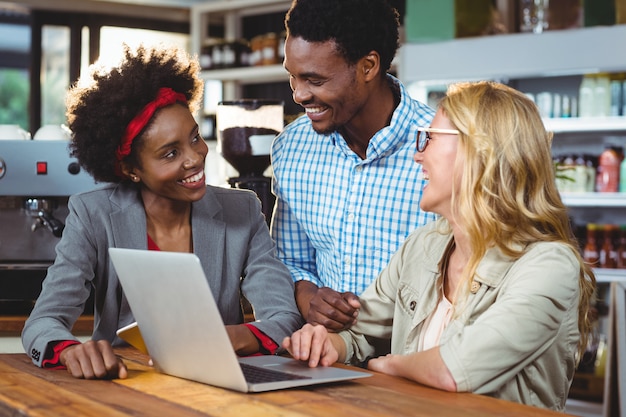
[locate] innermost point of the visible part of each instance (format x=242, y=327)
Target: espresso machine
x=245, y=131
x=36, y=180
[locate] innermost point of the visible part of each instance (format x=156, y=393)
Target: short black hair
x=356, y=26
x=99, y=109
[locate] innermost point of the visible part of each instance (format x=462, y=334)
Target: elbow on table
x=446, y=382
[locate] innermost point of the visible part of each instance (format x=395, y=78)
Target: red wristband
x=54, y=362
x=268, y=346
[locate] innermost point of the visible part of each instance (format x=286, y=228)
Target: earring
x=134, y=178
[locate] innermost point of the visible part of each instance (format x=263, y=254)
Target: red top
x=267, y=345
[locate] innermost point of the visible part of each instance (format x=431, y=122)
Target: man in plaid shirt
x=347, y=187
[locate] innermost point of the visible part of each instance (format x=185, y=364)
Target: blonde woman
x=493, y=297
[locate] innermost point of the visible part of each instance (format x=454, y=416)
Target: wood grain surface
x=26, y=390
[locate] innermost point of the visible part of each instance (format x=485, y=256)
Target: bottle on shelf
x=581, y=177
x=586, y=94
x=608, y=252
x=217, y=56
x=621, y=248
x=617, y=95
x=568, y=171
x=256, y=51
x=269, y=54
x=622, y=176
x=566, y=107
x=591, y=164
x=545, y=104
x=476, y=18
x=607, y=177
x=591, y=253
x=533, y=16
x=205, y=57
x=229, y=55
x=602, y=96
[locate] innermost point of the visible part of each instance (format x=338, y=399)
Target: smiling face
x=171, y=157
x=323, y=83
x=441, y=168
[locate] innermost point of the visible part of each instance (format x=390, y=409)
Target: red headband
x=165, y=97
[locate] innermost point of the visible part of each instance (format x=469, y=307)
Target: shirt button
x=474, y=287
x=412, y=305
x=351, y=216
x=347, y=260
x=359, y=168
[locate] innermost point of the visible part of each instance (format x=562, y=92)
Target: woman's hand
x=384, y=364
x=313, y=344
x=426, y=367
x=93, y=360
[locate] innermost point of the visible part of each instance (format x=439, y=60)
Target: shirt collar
x=391, y=136
x=491, y=269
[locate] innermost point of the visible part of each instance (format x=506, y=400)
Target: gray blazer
x=230, y=237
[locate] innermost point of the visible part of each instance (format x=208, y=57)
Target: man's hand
x=93, y=360
x=334, y=310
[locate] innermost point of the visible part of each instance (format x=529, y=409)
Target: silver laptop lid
x=183, y=330
x=179, y=320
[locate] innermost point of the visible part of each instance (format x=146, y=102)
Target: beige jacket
x=517, y=337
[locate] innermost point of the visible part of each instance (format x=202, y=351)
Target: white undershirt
x=435, y=324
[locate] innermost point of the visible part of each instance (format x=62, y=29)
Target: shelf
x=516, y=55
x=229, y=13
x=586, y=124
x=244, y=7
x=594, y=199
x=610, y=275
x=248, y=75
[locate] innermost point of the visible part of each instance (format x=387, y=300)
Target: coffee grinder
x=245, y=131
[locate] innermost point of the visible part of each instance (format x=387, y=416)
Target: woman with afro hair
x=133, y=129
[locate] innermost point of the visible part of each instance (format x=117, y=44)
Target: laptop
x=183, y=331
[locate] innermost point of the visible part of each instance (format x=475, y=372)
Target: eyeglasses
x=423, y=136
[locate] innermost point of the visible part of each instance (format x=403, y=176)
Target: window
x=55, y=73
x=43, y=52
x=112, y=38
x=14, y=57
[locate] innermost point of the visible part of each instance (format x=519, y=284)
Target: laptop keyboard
x=256, y=374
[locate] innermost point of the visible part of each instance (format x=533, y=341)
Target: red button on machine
x=42, y=168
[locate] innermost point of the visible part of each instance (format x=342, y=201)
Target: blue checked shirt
x=338, y=218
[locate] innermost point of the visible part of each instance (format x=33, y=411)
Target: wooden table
x=26, y=390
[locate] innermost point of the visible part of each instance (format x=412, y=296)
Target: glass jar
x=269, y=55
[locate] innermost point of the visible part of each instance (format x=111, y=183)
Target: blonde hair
x=508, y=197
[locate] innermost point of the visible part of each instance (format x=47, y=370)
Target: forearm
x=243, y=340
x=340, y=346
x=304, y=292
x=425, y=367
